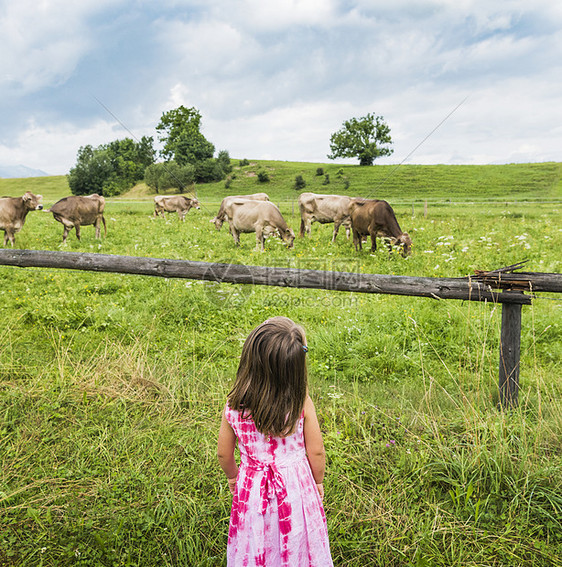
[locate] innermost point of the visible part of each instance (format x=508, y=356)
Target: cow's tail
x=301, y=233
x=104, y=226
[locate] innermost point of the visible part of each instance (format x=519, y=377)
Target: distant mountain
x=11, y=171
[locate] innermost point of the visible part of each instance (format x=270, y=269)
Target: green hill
x=396, y=183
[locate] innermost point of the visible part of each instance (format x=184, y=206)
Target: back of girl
x=277, y=517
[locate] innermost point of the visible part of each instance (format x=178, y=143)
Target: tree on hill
x=184, y=145
x=181, y=136
x=364, y=138
x=163, y=176
x=111, y=168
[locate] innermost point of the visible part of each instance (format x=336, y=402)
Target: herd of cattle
x=243, y=213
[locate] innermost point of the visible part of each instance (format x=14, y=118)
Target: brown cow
x=77, y=210
x=221, y=215
x=324, y=209
x=174, y=203
x=13, y=211
x=371, y=217
x=261, y=217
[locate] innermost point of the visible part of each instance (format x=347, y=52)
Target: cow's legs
x=97, y=226
x=181, y=215
x=373, y=236
x=8, y=235
x=235, y=235
x=357, y=240
x=347, y=228
x=306, y=227
x=346, y=223
x=260, y=238
x=77, y=227
x=336, y=228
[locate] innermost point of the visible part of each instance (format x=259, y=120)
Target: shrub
x=319, y=171
x=326, y=180
x=163, y=176
x=243, y=162
x=209, y=171
x=300, y=183
x=223, y=159
x=263, y=177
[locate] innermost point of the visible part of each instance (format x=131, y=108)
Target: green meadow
x=112, y=386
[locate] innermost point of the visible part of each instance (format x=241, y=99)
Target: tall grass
x=108, y=459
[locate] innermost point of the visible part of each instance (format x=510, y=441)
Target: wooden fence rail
x=498, y=286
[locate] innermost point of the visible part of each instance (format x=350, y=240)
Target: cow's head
x=405, y=243
x=289, y=237
x=217, y=222
x=195, y=203
x=32, y=202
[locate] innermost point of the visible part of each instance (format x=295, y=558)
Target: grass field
x=111, y=386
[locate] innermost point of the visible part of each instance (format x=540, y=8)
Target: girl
x=277, y=518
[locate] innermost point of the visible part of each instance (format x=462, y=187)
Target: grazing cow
x=371, y=217
x=77, y=210
x=261, y=217
x=221, y=215
x=174, y=203
x=324, y=209
x=13, y=211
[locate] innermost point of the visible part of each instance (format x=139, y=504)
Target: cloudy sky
x=457, y=81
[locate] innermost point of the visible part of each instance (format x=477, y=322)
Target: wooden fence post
x=510, y=347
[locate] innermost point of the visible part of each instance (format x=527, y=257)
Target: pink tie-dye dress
x=277, y=518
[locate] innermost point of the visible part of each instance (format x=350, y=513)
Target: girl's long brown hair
x=271, y=382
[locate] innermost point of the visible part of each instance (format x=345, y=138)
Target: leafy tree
x=181, y=136
x=130, y=159
x=91, y=172
x=112, y=168
x=364, y=138
x=163, y=176
x=211, y=170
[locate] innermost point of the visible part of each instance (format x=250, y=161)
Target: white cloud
x=42, y=42
x=276, y=79
x=206, y=48
x=54, y=148
x=267, y=16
